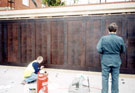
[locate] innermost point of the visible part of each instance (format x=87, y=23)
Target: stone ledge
x=98, y=9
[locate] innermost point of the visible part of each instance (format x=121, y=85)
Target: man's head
x=39, y=59
x=113, y=27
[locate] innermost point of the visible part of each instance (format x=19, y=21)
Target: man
x=110, y=46
x=31, y=71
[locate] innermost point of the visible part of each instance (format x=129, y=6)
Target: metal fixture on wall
x=34, y=2
x=11, y=4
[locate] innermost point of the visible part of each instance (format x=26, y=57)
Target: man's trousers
x=115, y=78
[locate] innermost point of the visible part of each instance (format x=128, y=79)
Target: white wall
x=116, y=0
x=25, y=2
x=71, y=2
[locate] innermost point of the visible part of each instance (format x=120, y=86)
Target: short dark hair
x=112, y=27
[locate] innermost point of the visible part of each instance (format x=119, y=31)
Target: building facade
x=66, y=36
x=19, y=4
x=76, y=2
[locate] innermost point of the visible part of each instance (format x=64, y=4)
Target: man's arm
x=99, y=46
x=123, y=49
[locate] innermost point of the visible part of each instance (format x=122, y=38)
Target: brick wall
x=3, y=3
x=18, y=4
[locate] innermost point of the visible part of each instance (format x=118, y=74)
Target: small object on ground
x=23, y=82
x=80, y=85
x=32, y=90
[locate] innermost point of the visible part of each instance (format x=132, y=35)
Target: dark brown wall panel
x=4, y=42
x=32, y=40
x=39, y=40
x=131, y=44
x=44, y=35
x=12, y=42
x=76, y=43
x=89, y=44
x=97, y=33
x=124, y=36
x=24, y=42
x=57, y=42
x=27, y=42
x=1, y=43
x=68, y=43
x=93, y=34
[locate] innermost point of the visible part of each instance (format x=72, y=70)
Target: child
x=31, y=71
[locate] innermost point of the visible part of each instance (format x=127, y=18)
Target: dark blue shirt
x=36, y=67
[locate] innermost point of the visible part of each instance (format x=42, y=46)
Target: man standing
x=110, y=46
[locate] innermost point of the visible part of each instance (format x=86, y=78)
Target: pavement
x=60, y=81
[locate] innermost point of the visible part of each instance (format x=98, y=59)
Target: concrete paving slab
x=59, y=80
x=10, y=78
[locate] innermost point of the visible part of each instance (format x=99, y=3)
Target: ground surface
x=59, y=81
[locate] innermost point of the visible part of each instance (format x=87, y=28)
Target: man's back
x=111, y=46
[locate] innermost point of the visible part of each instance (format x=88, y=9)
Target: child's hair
x=39, y=59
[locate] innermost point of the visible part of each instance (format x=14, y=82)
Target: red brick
x=19, y=5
